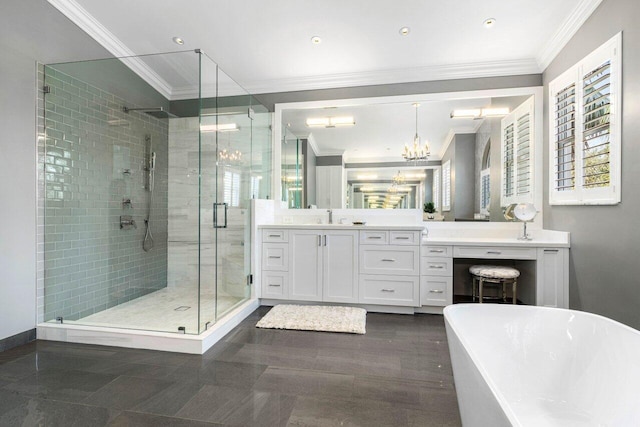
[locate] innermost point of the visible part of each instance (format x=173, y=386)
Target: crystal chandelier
x=229, y=155
x=416, y=152
x=399, y=179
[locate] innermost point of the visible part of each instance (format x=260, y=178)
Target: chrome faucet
x=330, y=216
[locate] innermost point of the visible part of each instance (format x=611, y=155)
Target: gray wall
x=461, y=152
x=604, y=239
x=439, y=86
x=309, y=174
x=30, y=31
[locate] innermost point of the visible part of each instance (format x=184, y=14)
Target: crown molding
x=87, y=23
x=567, y=30
x=391, y=76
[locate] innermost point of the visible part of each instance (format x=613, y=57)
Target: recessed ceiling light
x=489, y=22
x=316, y=40
x=178, y=40
x=405, y=31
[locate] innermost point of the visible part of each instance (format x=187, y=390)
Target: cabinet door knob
x=387, y=290
x=274, y=256
x=388, y=259
x=436, y=251
x=275, y=286
x=494, y=252
x=436, y=291
x=437, y=267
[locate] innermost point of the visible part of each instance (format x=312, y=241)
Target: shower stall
x=148, y=168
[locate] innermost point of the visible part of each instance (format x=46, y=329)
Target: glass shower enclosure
x=148, y=167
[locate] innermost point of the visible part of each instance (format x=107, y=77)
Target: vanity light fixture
x=330, y=122
x=178, y=40
x=416, y=152
x=479, y=113
x=221, y=127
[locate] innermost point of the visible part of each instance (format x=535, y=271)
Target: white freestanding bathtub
x=539, y=366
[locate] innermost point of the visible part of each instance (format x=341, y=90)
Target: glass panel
x=121, y=194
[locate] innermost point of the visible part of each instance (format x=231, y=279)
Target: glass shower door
x=225, y=170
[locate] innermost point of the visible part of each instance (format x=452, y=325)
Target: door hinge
x=250, y=279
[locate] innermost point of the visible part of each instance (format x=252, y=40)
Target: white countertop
x=454, y=236
x=491, y=241
x=343, y=227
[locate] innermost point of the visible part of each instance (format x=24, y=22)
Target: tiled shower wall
x=93, y=157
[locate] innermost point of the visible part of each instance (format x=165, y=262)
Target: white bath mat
x=315, y=318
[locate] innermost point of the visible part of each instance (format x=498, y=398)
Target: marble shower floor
x=164, y=310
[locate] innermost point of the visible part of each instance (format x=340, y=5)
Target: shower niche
x=131, y=170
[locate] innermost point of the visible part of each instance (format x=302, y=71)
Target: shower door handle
x=217, y=206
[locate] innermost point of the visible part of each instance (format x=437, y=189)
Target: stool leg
x=480, y=283
x=514, y=291
x=473, y=288
x=504, y=291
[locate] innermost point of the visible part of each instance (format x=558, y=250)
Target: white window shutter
x=585, y=130
x=517, y=129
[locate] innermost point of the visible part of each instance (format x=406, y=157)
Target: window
x=436, y=189
x=446, y=186
x=485, y=191
x=517, y=155
x=584, y=119
x=232, y=188
x=485, y=180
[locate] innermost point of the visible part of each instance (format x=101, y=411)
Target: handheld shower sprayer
x=147, y=243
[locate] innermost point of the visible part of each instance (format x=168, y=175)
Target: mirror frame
x=535, y=91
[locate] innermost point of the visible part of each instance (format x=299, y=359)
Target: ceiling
x=266, y=45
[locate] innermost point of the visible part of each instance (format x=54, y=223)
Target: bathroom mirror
x=330, y=151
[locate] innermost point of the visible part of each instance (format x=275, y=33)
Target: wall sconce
x=330, y=122
x=479, y=113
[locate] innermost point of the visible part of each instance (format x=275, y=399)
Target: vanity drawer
x=436, y=266
x=275, y=256
x=437, y=251
x=494, y=252
x=390, y=259
x=374, y=237
x=275, y=235
x=404, y=238
x=275, y=284
x=436, y=291
x=389, y=290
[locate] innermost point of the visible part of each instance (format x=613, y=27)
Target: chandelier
x=228, y=155
x=417, y=151
x=232, y=156
x=399, y=179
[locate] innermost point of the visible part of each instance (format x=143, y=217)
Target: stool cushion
x=494, y=271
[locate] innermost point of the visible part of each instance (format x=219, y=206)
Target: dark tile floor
x=398, y=374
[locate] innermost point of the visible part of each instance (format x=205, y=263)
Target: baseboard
x=18, y=340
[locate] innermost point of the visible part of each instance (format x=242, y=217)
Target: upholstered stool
x=495, y=275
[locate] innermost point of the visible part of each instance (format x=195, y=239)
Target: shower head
x=157, y=112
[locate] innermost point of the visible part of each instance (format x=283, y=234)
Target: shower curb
x=149, y=340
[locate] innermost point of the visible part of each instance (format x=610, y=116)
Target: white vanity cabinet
x=275, y=264
x=324, y=265
x=436, y=275
x=389, y=267
x=552, y=272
